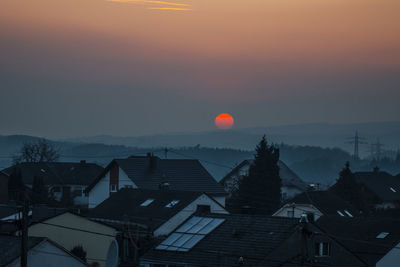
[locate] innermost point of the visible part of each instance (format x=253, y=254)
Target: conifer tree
x=260, y=190
x=348, y=189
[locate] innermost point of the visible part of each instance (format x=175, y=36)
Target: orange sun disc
x=224, y=121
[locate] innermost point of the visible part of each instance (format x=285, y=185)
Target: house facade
x=379, y=188
x=71, y=230
x=41, y=252
x=60, y=178
x=316, y=204
x=292, y=184
x=157, y=211
x=151, y=172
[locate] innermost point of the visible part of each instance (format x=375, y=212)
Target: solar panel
x=200, y=225
x=211, y=226
x=189, y=234
x=189, y=224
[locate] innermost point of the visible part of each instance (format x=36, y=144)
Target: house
x=157, y=211
x=60, y=177
x=71, y=230
x=375, y=241
x=311, y=245
x=316, y=204
x=10, y=215
x=221, y=240
x=151, y=172
x=246, y=240
x=380, y=188
x=3, y=188
x=41, y=252
x=292, y=184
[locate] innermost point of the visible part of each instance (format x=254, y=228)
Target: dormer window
x=147, y=202
x=322, y=249
x=382, y=235
x=172, y=203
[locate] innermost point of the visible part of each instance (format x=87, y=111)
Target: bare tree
x=40, y=151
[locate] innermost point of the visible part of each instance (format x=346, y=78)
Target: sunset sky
x=132, y=67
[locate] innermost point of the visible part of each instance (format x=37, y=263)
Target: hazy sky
x=133, y=67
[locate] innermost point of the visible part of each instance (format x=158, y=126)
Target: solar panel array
x=189, y=234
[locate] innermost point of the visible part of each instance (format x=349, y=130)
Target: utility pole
x=357, y=141
x=376, y=150
x=24, y=236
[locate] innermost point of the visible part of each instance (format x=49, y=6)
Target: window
x=172, y=203
x=113, y=188
x=340, y=213
x=290, y=213
x=348, y=213
x=147, y=202
x=322, y=249
x=189, y=234
x=382, y=235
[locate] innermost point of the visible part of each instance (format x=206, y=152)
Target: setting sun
x=224, y=121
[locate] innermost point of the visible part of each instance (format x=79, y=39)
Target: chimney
x=376, y=170
x=163, y=186
x=83, y=161
x=153, y=161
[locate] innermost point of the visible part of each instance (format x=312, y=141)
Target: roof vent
x=164, y=186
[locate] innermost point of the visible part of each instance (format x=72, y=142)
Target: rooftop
x=368, y=238
x=384, y=185
x=223, y=239
x=327, y=202
x=68, y=173
x=148, y=207
x=180, y=174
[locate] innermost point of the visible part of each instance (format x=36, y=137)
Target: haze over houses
x=153, y=212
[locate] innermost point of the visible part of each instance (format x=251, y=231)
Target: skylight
x=393, y=190
x=348, y=213
x=147, y=202
x=189, y=234
x=172, y=203
x=382, y=235
x=340, y=213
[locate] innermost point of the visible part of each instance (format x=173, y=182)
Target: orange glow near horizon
x=224, y=121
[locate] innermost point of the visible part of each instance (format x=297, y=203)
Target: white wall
x=46, y=254
x=124, y=180
x=220, y=200
x=184, y=214
x=101, y=191
x=298, y=209
x=392, y=258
